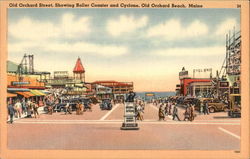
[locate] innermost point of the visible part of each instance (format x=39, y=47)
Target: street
x=100, y=129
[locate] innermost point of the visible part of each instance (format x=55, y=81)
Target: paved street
x=100, y=129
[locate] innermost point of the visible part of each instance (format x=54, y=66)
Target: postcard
x=124, y=79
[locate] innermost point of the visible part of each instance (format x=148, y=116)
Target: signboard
x=202, y=73
x=129, y=117
x=183, y=74
x=20, y=83
x=224, y=84
x=61, y=74
x=150, y=94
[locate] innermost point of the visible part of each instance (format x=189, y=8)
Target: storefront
x=200, y=89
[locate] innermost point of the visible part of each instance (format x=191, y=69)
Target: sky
x=146, y=46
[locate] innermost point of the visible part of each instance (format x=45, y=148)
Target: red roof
x=79, y=67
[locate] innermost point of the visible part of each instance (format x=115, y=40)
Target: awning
x=37, y=92
x=9, y=95
x=25, y=94
x=17, y=89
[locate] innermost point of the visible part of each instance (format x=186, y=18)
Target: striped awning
x=25, y=94
x=37, y=92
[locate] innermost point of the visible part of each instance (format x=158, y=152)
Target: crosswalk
x=167, y=122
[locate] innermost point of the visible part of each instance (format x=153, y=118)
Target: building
x=74, y=85
x=79, y=71
x=193, y=86
x=233, y=61
x=119, y=89
x=200, y=89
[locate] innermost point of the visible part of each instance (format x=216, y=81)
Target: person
x=170, y=108
x=18, y=108
x=140, y=111
x=130, y=97
x=35, y=109
x=11, y=111
x=201, y=107
x=24, y=107
x=78, y=108
x=175, y=112
x=166, y=108
x=192, y=112
x=186, y=114
x=50, y=107
x=29, y=109
x=161, y=113
x=67, y=108
x=205, y=109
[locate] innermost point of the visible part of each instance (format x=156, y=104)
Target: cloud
x=224, y=27
x=69, y=27
x=91, y=48
x=76, y=48
x=125, y=24
x=173, y=30
x=182, y=52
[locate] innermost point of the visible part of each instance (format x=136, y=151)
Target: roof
x=112, y=83
x=79, y=67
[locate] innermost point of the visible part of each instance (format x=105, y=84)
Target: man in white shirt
x=18, y=107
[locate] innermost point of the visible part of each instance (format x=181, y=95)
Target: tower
x=79, y=71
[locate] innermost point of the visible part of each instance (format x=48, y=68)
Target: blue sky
x=147, y=46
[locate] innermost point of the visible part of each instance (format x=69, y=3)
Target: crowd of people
x=24, y=107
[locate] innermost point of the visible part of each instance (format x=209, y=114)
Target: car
x=188, y=100
x=60, y=107
x=215, y=106
x=106, y=104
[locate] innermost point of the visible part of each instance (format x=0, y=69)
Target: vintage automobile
x=217, y=106
x=106, y=104
x=188, y=100
x=60, y=107
x=234, y=105
x=214, y=105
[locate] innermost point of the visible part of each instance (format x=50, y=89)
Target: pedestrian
x=78, y=108
x=29, y=109
x=24, y=107
x=11, y=111
x=205, y=108
x=186, y=114
x=166, y=109
x=175, y=112
x=35, y=109
x=170, y=108
x=201, y=107
x=81, y=109
x=67, y=108
x=18, y=108
x=50, y=107
x=161, y=113
x=192, y=112
x=140, y=112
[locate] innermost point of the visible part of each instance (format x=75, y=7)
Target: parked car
x=106, y=104
x=215, y=106
x=188, y=100
x=60, y=107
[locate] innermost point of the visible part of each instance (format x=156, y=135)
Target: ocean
x=157, y=94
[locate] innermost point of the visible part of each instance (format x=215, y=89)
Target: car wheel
x=211, y=110
x=225, y=109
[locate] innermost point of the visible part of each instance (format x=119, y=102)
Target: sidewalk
x=40, y=111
